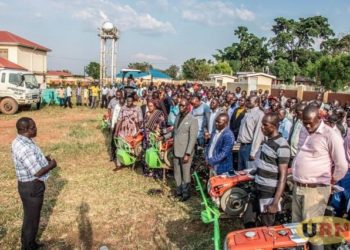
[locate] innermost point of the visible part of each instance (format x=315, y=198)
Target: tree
x=93, y=70
x=221, y=68
x=172, y=71
x=333, y=72
x=250, y=53
x=336, y=46
x=295, y=40
x=196, y=69
x=285, y=70
x=142, y=66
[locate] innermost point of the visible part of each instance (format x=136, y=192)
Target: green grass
x=87, y=204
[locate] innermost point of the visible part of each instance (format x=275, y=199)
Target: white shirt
x=213, y=143
x=69, y=91
x=105, y=91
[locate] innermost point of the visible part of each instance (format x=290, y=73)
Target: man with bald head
x=32, y=170
x=319, y=163
x=250, y=135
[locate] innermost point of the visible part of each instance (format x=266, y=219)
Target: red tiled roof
x=4, y=63
x=10, y=38
x=58, y=73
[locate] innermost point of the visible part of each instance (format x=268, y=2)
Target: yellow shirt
x=239, y=111
x=95, y=90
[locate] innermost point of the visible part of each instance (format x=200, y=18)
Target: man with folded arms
x=319, y=163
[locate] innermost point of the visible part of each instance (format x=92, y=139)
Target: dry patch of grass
x=87, y=205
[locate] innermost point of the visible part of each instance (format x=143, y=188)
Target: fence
x=309, y=93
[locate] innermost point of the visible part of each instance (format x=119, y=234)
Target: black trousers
x=68, y=102
x=32, y=196
x=253, y=210
x=104, y=102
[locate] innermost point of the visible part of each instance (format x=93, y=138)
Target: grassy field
x=88, y=205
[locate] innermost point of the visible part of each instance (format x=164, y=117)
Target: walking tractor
x=159, y=155
x=129, y=149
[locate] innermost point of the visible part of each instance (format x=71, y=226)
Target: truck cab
x=17, y=88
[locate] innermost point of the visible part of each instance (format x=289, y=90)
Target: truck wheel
x=8, y=106
x=233, y=201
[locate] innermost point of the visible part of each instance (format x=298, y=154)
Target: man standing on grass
x=32, y=170
x=185, y=136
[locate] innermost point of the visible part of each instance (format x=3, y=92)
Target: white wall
x=12, y=53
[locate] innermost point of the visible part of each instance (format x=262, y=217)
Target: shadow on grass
x=54, y=186
x=85, y=227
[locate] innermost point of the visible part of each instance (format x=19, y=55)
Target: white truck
x=17, y=89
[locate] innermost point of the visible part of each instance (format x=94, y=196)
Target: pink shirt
x=316, y=156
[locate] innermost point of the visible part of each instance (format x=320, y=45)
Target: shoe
x=117, y=169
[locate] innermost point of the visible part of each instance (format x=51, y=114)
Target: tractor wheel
x=169, y=158
x=233, y=201
x=8, y=106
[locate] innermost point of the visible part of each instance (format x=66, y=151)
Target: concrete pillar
x=325, y=96
x=300, y=91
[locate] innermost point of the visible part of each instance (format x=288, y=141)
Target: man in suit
x=237, y=116
x=219, y=150
x=185, y=137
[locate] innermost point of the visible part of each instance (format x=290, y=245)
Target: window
x=3, y=77
x=15, y=79
x=4, y=53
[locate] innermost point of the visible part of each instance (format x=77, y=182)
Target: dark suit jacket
x=235, y=123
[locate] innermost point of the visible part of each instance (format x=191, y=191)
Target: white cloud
x=149, y=57
x=215, y=13
x=123, y=16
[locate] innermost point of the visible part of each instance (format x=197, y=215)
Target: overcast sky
x=162, y=32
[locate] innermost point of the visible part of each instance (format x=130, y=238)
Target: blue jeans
x=243, y=156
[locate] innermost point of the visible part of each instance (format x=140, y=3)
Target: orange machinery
x=265, y=238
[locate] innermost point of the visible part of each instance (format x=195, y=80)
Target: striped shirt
x=274, y=151
x=28, y=159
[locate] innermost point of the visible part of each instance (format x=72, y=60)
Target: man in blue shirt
x=285, y=124
x=200, y=111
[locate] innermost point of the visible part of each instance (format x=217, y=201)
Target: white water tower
x=109, y=35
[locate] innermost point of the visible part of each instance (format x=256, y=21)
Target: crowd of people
x=273, y=134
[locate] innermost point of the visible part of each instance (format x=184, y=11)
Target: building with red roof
x=6, y=64
x=27, y=54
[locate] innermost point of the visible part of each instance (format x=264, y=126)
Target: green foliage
x=172, y=71
x=249, y=54
x=295, y=40
x=332, y=71
x=221, y=68
x=142, y=66
x=93, y=70
x=196, y=69
x=285, y=70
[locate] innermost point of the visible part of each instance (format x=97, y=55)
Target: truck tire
x=8, y=106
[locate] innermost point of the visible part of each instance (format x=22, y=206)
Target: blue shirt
x=199, y=114
x=284, y=128
x=174, y=111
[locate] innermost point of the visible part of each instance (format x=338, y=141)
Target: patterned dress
x=129, y=119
